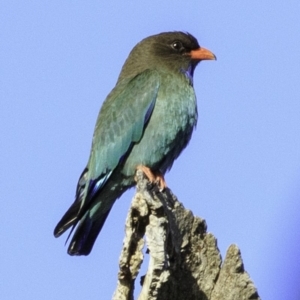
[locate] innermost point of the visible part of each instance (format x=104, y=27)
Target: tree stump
x=185, y=262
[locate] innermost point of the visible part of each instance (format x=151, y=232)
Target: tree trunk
x=185, y=262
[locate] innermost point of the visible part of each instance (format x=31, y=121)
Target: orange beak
x=202, y=54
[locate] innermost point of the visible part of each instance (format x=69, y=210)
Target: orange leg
x=156, y=177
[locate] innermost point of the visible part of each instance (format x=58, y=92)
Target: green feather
x=122, y=120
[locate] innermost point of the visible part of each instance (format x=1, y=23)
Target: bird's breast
x=169, y=128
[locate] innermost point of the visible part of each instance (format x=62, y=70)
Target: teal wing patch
x=121, y=121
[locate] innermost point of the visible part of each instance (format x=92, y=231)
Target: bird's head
x=173, y=51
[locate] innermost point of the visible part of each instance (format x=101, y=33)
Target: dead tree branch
x=185, y=262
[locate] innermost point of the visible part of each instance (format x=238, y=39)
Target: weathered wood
x=185, y=262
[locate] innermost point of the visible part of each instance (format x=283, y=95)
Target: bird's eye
x=177, y=45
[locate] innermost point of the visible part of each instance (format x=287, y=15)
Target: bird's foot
x=154, y=177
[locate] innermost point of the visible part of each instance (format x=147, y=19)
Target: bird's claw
x=156, y=177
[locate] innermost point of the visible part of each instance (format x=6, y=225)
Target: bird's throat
x=188, y=73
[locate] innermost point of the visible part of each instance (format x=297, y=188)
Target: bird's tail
x=87, y=226
x=86, y=233
x=88, y=213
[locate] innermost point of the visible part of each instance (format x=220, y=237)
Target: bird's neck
x=188, y=73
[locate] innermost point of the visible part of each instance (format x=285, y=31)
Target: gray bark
x=185, y=262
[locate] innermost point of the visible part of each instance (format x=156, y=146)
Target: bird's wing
x=121, y=122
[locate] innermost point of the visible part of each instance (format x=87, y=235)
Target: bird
x=144, y=123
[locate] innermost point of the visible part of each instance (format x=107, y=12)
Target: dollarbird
x=145, y=122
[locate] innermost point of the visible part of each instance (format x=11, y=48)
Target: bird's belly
x=167, y=132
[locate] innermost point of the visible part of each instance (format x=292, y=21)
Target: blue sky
x=240, y=172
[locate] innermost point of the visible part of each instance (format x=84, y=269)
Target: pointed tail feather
x=86, y=234
x=69, y=219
